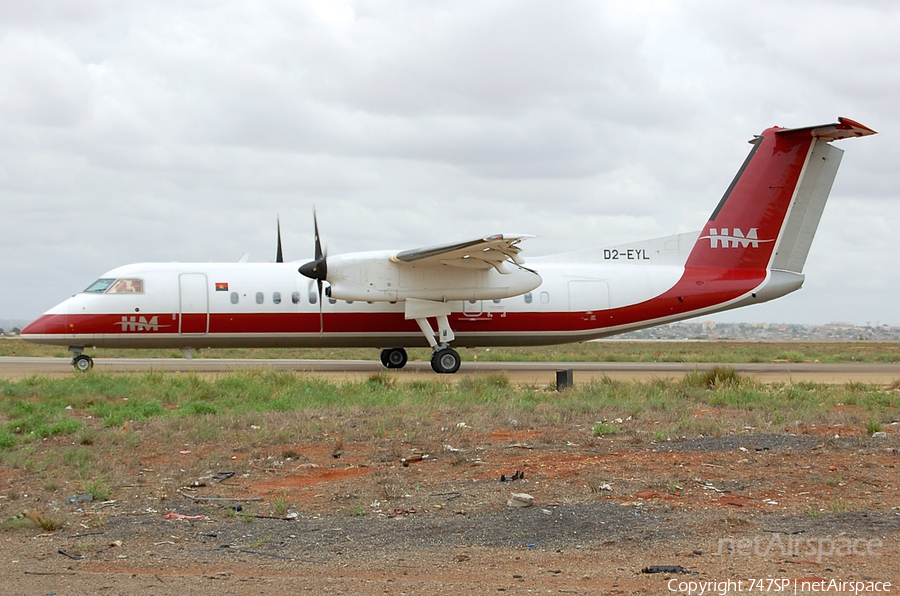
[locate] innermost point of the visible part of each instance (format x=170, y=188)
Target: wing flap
x=483, y=253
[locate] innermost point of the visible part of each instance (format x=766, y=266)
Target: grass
x=873, y=427
x=93, y=433
x=598, y=351
x=601, y=429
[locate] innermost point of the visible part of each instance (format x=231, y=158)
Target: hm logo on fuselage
x=140, y=323
x=722, y=239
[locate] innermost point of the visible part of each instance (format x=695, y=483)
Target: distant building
x=712, y=330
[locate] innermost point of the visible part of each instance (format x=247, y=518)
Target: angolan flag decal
x=221, y=286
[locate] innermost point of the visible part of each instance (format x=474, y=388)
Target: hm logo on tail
x=722, y=239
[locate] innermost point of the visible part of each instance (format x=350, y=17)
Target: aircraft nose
x=47, y=324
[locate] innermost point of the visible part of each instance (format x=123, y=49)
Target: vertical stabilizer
x=770, y=212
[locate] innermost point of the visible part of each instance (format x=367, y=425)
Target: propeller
x=279, y=256
x=317, y=269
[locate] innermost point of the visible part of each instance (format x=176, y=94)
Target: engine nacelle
x=373, y=277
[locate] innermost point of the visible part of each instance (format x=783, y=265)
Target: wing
x=484, y=253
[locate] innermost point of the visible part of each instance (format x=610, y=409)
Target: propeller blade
x=319, y=253
x=321, y=316
x=317, y=269
x=279, y=256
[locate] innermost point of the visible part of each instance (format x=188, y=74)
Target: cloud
x=134, y=131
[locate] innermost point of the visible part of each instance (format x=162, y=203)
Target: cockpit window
x=116, y=286
x=127, y=286
x=99, y=286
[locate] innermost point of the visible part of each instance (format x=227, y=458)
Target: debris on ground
x=174, y=515
x=70, y=555
x=519, y=475
x=74, y=500
x=413, y=459
x=664, y=569
x=520, y=500
x=218, y=499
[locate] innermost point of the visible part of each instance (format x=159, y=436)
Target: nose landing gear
x=81, y=361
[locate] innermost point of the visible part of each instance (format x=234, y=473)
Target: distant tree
x=2, y=331
x=16, y=331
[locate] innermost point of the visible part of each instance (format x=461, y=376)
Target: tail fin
x=769, y=214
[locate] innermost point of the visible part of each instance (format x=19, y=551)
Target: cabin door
x=587, y=296
x=194, y=318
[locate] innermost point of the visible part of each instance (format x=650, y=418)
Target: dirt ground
x=811, y=504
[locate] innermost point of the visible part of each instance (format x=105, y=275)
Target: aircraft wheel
x=445, y=361
x=394, y=357
x=83, y=363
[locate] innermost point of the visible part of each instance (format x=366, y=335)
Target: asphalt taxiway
x=519, y=372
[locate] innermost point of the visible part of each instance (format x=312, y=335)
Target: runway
x=518, y=372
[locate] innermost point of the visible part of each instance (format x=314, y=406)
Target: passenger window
x=313, y=297
x=234, y=298
x=545, y=298
x=276, y=297
x=528, y=298
x=295, y=297
x=260, y=298
x=496, y=301
x=332, y=301
x=348, y=301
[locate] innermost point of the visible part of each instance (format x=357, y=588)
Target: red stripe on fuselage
x=698, y=289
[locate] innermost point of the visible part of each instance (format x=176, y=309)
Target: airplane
x=480, y=292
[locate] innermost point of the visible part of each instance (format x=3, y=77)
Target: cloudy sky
x=178, y=129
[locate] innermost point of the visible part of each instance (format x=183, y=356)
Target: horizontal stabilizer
x=844, y=128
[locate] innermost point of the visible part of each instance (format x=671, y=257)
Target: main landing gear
x=81, y=361
x=444, y=359
x=394, y=357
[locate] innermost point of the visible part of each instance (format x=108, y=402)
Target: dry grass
x=45, y=521
x=105, y=441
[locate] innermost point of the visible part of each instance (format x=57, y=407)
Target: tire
x=445, y=361
x=83, y=363
x=394, y=358
x=397, y=358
